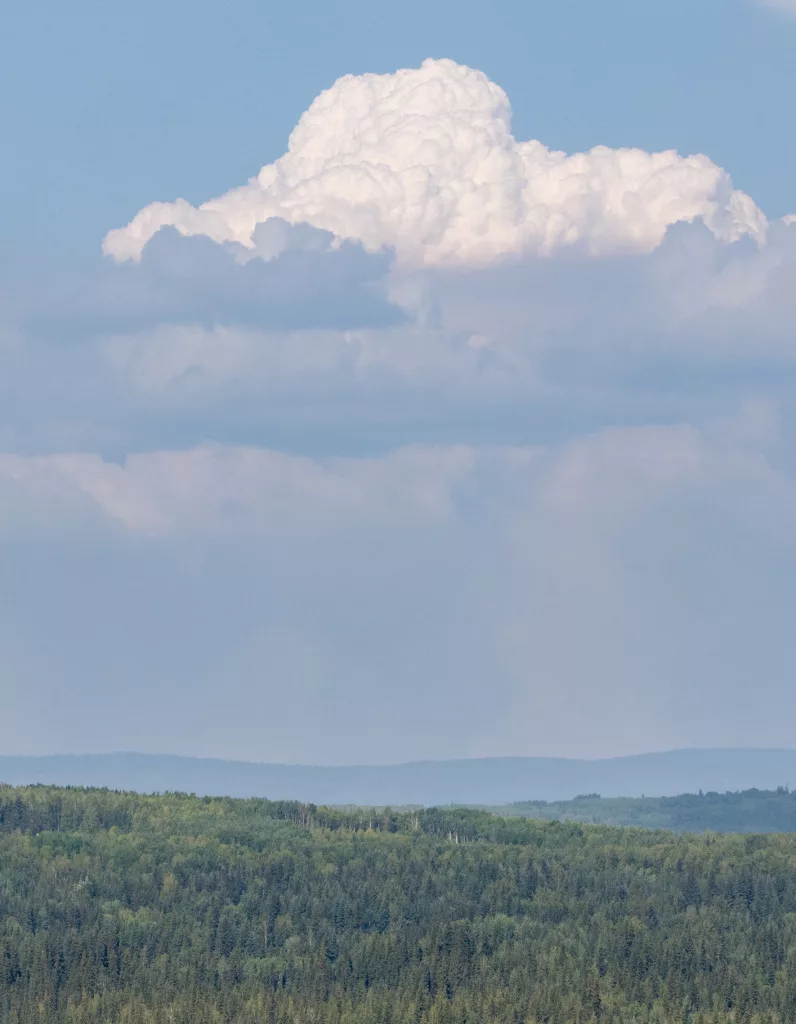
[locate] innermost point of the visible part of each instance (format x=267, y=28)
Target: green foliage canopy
x=179, y=910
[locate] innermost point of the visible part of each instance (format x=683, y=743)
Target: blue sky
x=107, y=107
x=431, y=440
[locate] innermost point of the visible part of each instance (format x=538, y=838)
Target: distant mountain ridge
x=474, y=781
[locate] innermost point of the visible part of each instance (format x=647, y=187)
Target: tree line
x=173, y=909
x=750, y=810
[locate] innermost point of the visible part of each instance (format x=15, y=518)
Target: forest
x=751, y=810
x=174, y=909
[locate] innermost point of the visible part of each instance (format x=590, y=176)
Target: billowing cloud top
x=423, y=161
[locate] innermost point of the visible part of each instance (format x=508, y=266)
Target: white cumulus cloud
x=424, y=161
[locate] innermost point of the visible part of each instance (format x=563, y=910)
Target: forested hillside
x=752, y=810
x=184, y=910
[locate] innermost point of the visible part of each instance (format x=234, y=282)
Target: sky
x=381, y=384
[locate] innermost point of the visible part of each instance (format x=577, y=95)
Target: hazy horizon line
x=401, y=764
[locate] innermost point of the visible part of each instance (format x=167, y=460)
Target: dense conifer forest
x=182, y=910
x=752, y=810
